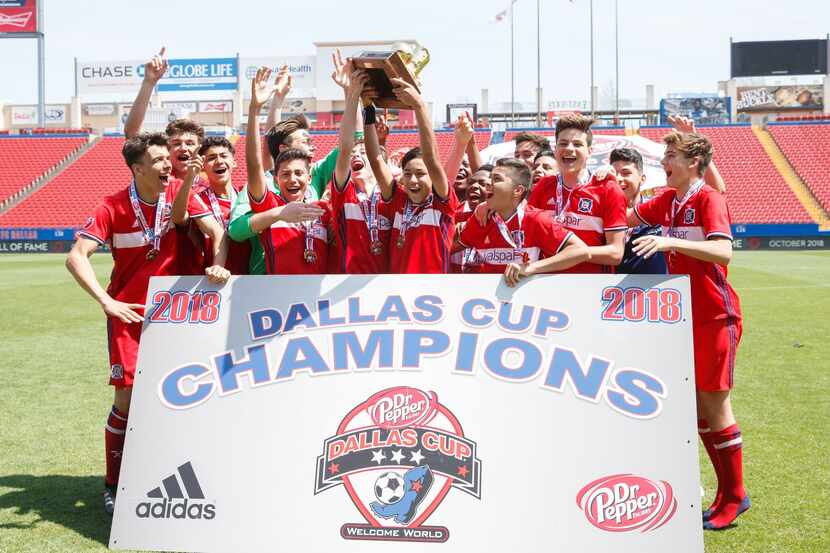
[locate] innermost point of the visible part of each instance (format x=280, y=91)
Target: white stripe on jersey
x=317, y=231
x=354, y=213
x=503, y=256
x=429, y=217
x=694, y=234
x=578, y=221
x=129, y=240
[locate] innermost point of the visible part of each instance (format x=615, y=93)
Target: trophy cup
x=405, y=61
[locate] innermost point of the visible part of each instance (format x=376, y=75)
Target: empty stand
x=70, y=197
x=755, y=190
x=807, y=148
x=26, y=159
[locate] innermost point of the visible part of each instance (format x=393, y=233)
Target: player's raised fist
x=463, y=129
x=406, y=93
x=155, y=69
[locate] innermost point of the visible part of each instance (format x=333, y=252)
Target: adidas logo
x=175, y=503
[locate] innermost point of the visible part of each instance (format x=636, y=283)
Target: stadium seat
x=25, y=159
x=755, y=190
x=807, y=148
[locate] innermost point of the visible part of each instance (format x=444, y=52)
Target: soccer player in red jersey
x=294, y=234
x=216, y=159
x=697, y=241
x=544, y=165
x=421, y=204
x=515, y=239
x=466, y=260
x=362, y=229
x=137, y=224
x=592, y=207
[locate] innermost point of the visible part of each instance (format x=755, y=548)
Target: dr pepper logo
x=625, y=503
x=398, y=454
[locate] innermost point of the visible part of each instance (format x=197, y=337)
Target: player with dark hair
x=697, y=241
x=289, y=133
x=466, y=259
x=421, y=204
x=293, y=231
x=514, y=239
x=544, y=165
x=528, y=146
x=592, y=207
x=136, y=222
x=628, y=165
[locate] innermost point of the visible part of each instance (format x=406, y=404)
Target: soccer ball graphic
x=389, y=487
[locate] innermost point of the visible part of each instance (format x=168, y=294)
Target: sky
x=677, y=46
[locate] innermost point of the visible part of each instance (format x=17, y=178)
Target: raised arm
x=153, y=71
x=380, y=169
x=282, y=86
x=407, y=94
x=463, y=136
x=261, y=90
x=194, y=167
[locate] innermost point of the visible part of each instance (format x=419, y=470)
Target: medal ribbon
x=409, y=214
x=152, y=236
x=216, y=209
x=560, y=186
x=518, y=244
x=369, y=208
x=309, y=241
x=676, y=205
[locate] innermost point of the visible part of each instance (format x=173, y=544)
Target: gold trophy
x=405, y=61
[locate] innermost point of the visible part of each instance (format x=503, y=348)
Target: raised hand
x=342, y=70
x=682, y=124
x=463, y=129
x=382, y=128
x=283, y=83
x=406, y=93
x=155, y=69
x=357, y=82
x=261, y=87
x=193, y=167
x=298, y=212
x=126, y=312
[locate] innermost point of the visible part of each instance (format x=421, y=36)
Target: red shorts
x=122, y=339
x=716, y=343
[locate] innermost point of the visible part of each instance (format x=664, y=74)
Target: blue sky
x=678, y=46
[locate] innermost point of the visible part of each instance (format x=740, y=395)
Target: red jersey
x=702, y=215
x=239, y=253
x=421, y=235
x=466, y=260
x=294, y=248
x=361, y=231
x=114, y=222
x=529, y=235
x=589, y=210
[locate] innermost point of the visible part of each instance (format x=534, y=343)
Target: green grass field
x=54, y=398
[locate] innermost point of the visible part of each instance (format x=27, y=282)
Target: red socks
x=728, y=450
x=706, y=436
x=114, y=433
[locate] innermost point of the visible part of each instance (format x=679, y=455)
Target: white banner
x=182, y=107
x=301, y=68
x=182, y=75
x=225, y=106
x=651, y=151
x=351, y=414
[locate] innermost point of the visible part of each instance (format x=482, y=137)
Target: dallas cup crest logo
x=398, y=454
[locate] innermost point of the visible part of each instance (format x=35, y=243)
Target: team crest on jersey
x=116, y=371
x=585, y=205
x=398, y=454
x=689, y=215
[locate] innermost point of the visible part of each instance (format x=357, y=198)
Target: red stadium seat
x=807, y=148
x=25, y=159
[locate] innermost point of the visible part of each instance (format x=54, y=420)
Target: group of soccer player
x=362, y=211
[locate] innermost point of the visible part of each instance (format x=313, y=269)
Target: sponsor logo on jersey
x=626, y=502
x=398, y=454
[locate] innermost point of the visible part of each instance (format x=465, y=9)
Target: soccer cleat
x=109, y=500
x=725, y=522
